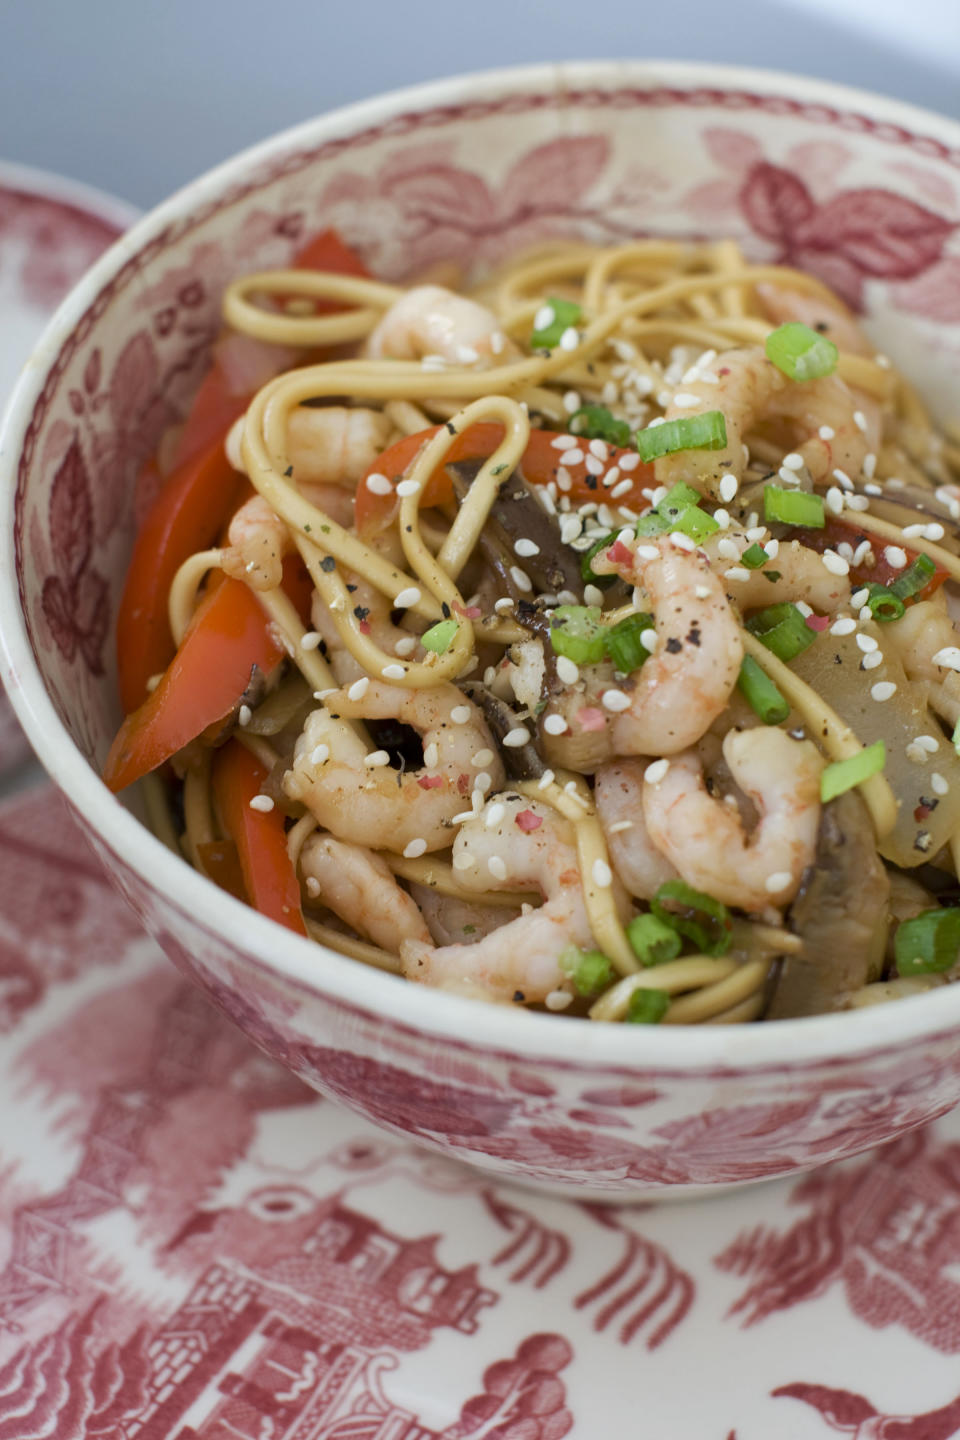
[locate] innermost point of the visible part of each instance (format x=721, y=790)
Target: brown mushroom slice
x=517, y=515
x=840, y=915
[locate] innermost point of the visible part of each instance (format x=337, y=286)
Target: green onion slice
x=439, y=637
x=596, y=422
x=760, y=693
x=551, y=320
x=677, y=499
x=792, y=507
x=590, y=970
x=696, y=523
x=929, y=943
x=653, y=523
x=783, y=629
x=699, y=917
x=586, y=563
x=801, y=353
x=843, y=775
x=884, y=604
x=653, y=942
x=915, y=578
x=578, y=633
x=754, y=556
x=956, y=737
x=694, y=432
x=647, y=1007
x=624, y=645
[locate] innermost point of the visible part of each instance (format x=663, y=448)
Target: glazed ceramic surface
x=196, y=1246
x=51, y=231
x=861, y=191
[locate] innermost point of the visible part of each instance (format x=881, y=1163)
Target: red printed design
x=74, y=598
x=888, y=1229
x=851, y=1414
x=55, y=243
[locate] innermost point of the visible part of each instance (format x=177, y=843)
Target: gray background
x=138, y=97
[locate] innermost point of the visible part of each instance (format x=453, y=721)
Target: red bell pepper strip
x=228, y=636
x=836, y=531
x=269, y=878
x=186, y=516
x=539, y=464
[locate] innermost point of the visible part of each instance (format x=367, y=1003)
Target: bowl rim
x=507, y=1032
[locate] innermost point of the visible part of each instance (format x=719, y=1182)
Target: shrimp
x=704, y=837
x=375, y=805
x=452, y=921
x=688, y=680
x=258, y=539
x=827, y=316
x=917, y=637
x=801, y=571
x=360, y=887
x=429, y=320
x=328, y=444
x=521, y=960
x=635, y=859
x=748, y=389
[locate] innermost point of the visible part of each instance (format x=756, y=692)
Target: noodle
x=653, y=317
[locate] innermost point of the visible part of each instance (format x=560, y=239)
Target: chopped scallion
x=578, y=633
x=647, y=1007
x=696, y=523
x=677, y=499
x=699, y=917
x=884, y=604
x=653, y=523
x=754, y=556
x=694, y=432
x=929, y=943
x=552, y=320
x=760, y=693
x=439, y=637
x=653, y=942
x=801, y=353
x=595, y=422
x=586, y=563
x=783, y=629
x=843, y=775
x=792, y=507
x=915, y=578
x=624, y=644
x=590, y=970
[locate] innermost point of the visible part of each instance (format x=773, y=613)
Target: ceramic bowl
x=860, y=190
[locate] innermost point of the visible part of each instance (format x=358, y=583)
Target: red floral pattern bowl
x=860, y=190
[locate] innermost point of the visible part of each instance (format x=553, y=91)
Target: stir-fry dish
x=581, y=640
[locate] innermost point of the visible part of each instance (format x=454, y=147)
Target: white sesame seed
x=729, y=486
x=546, y=780
x=873, y=489
x=647, y=552
x=415, y=848
x=789, y=477
x=611, y=477
x=564, y=442
x=570, y=528
x=615, y=700
x=521, y=579
x=772, y=549
x=263, y=803
x=592, y=595
x=834, y=498
x=793, y=461
x=938, y=784
x=558, y=1000
x=599, y=449
x=871, y=661
x=894, y=556
x=756, y=532
x=516, y=737
x=620, y=826
x=728, y=549
x=359, y=688
x=602, y=874
x=570, y=338
x=466, y=355
x=629, y=462
x=869, y=465
x=393, y=672
x=648, y=639
x=376, y=759
x=313, y=886
x=526, y=548
x=555, y=725
x=846, y=626
x=916, y=753
x=593, y=466
x=431, y=754
x=928, y=743
x=407, y=597
x=497, y=867
x=319, y=755
x=737, y=574
x=544, y=317
x=406, y=646
x=506, y=602
x=860, y=420
x=567, y=597
x=685, y=401
x=571, y=401
x=883, y=690
x=408, y=487
x=859, y=597
x=778, y=881
x=949, y=657
x=702, y=592
x=681, y=541
x=482, y=783
x=379, y=484
x=826, y=432
x=835, y=563
x=656, y=772
x=494, y=815
x=244, y=715
x=912, y=532
x=846, y=550
x=857, y=502
x=460, y=714
x=934, y=531
x=722, y=518
x=623, y=488
x=567, y=670
x=574, y=456
x=803, y=607
x=867, y=644
x=843, y=479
